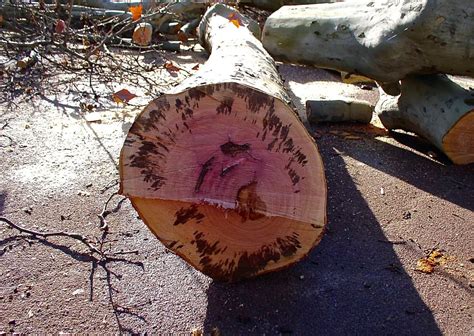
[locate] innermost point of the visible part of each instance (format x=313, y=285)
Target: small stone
x=78, y=291
x=382, y=191
x=12, y=322
x=301, y=277
x=83, y=193
x=407, y=215
x=27, y=210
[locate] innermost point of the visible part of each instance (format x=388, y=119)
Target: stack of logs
x=407, y=46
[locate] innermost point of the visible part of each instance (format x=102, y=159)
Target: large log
x=436, y=108
x=221, y=169
x=384, y=40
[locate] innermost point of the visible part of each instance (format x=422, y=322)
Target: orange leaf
x=123, y=96
x=136, y=12
x=182, y=36
x=234, y=18
x=171, y=67
x=60, y=26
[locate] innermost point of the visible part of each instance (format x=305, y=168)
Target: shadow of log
x=352, y=283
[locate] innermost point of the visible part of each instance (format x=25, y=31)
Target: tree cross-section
x=221, y=169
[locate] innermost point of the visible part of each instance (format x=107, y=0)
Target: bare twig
x=7, y=137
x=104, y=213
x=392, y=242
x=71, y=235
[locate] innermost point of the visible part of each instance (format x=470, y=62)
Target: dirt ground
x=391, y=202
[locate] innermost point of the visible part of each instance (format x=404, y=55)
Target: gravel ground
x=391, y=202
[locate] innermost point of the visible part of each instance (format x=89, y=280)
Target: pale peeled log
x=142, y=34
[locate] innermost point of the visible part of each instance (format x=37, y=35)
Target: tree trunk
x=436, y=108
x=221, y=169
x=384, y=40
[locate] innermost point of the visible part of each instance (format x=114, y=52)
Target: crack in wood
x=206, y=167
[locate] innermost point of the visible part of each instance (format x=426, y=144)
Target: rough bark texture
x=384, y=40
x=339, y=110
x=436, y=108
x=221, y=169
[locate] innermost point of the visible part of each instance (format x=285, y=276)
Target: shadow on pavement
x=441, y=179
x=351, y=284
x=3, y=200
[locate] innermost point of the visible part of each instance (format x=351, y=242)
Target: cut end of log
x=227, y=244
x=142, y=34
x=458, y=143
x=228, y=178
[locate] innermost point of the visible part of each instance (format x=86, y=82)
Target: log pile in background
x=391, y=41
x=382, y=40
x=221, y=169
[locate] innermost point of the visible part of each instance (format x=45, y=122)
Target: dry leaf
x=60, y=26
x=424, y=265
x=182, y=36
x=171, y=67
x=234, y=18
x=136, y=12
x=123, y=96
x=196, y=67
x=197, y=332
x=427, y=264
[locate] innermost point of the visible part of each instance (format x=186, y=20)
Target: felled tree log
x=142, y=34
x=437, y=109
x=221, y=169
x=339, y=110
x=384, y=40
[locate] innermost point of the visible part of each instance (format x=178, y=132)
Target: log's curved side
x=221, y=169
x=438, y=109
x=384, y=40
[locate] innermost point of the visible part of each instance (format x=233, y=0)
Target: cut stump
x=221, y=169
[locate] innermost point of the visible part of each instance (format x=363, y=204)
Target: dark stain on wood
x=184, y=215
x=206, y=167
x=225, y=107
x=245, y=264
x=232, y=149
x=149, y=170
x=196, y=94
x=249, y=204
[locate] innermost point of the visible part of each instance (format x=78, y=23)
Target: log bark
x=436, y=108
x=221, y=169
x=384, y=40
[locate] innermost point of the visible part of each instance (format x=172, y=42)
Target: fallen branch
x=104, y=226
